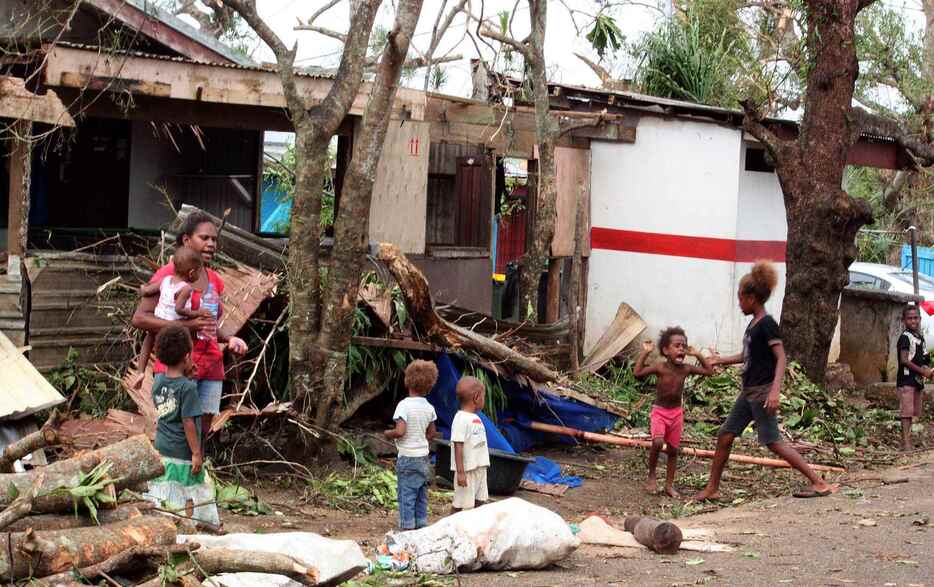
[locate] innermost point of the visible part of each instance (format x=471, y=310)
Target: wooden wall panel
x=573, y=168
x=400, y=192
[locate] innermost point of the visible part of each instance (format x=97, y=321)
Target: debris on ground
x=626, y=326
x=511, y=534
x=596, y=530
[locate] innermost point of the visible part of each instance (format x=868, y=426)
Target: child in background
x=912, y=371
x=184, y=487
x=763, y=359
x=414, y=430
x=667, y=417
x=470, y=457
x=175, y=301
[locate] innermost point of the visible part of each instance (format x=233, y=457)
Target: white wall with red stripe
x=677, y=219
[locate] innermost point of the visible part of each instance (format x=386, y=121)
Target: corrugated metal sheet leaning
x=23, y=390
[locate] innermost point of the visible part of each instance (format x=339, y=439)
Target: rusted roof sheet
x=245, y=289
x=23, y=390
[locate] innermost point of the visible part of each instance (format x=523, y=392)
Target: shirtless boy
x=667, y=418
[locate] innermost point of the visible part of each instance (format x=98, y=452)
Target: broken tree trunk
x=69, y=520
x=22, y=505
x=45, y=436
x=574, y=295
x=697, y=452
x=134, y=559
x=225, y=560
x=132, y=461
x=39, y=554
x=421, y=308
x=656, y=535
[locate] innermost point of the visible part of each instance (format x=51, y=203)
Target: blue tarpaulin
x=523, y=406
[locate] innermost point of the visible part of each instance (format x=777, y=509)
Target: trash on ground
x=506, y=535
x=596, y=530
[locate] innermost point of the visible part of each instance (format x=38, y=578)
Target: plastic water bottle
x=210, y=301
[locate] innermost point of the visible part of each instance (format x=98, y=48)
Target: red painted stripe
x=697, y=247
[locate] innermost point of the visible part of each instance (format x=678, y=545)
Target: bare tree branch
x=752, y=123
x=321, y=31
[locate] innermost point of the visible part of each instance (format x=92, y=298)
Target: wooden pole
x=697, y=452
x=553, y=291
x=914, y=258
x=574, y=295
x=18, y=207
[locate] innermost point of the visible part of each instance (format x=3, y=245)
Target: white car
x=894, y=278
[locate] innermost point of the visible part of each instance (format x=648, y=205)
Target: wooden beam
x=19, y=172
x=553, y=295
x=18, y=103
x=81, y=69
x=394, y=343
x=137, y=20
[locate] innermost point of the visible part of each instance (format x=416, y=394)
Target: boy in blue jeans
x=414, y=430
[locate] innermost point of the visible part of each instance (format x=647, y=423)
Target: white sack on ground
x=336, y=560
x=509, y=534
x=249, y=580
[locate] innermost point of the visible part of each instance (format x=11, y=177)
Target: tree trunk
x=547, y=132
x=574, y=297
x=224, y=560
x=352, y=226
x=822, y=218
x=132, y=461
x=133, y=560
x=68, y=520
x=45, y=436
x=39, y=554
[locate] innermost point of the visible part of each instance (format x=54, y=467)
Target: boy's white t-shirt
x=418, y=414
x=468, y=428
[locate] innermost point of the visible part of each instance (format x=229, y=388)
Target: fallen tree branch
x=129, y=560
x=45, y=436
x=212, y=561
x=417, y=294
x=22, y=505
x=64, y=521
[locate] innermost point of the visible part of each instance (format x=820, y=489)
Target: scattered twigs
x=259, y=358
x=131, y=559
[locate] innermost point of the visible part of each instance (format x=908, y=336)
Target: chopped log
x=135, y=559
x=132, y=461
x=22, y=505
x=697, y=452
x=40, y=554
x=65, y=521
x=656, y=535
x=226, y=560
x=45, y=436
x=421, y=308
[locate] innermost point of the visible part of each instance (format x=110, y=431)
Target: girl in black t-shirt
x=763, y=359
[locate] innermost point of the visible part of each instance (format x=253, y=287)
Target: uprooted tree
x=323, y=292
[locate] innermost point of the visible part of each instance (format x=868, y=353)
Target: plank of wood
x=626, y=326
x=552, y=489
x=573, y=185
x=19, y=103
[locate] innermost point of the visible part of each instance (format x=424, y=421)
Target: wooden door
x=474, y=188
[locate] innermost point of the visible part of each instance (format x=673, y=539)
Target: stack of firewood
x=56, y=535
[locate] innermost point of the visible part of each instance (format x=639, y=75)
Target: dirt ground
x=779, y=539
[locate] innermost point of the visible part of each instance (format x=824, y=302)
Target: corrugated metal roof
x=23, y=390
x=193, y=33
x=316, y=73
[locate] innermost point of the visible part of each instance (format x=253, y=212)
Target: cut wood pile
x=81, y=521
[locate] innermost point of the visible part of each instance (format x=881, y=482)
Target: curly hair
x=173, y=343
x=191, y=224
x=760, y=281
x=420, y=376
x=664, y=337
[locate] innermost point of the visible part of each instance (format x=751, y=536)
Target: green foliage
x=605, y=33
x=681, y=60
x=91, y=490
x=383, y=578
x=373, y=487
x=96, y=393
x=240, y=500
x=618, y=383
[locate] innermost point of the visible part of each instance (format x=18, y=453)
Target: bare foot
x=651, y=486
x=824, y=487
x=670, y=491
x=707, y=494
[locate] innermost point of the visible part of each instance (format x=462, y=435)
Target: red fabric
x=206, y=355
x=510, y=239
x=667, y=423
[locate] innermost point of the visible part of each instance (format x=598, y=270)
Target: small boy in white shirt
x=470, y=456
x=415, y=428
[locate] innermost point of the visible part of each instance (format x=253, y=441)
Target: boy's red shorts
x=667, y=423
